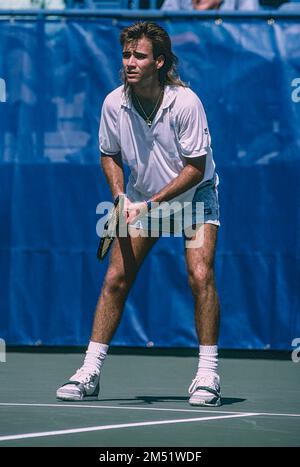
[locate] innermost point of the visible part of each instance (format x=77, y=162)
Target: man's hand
x=134, y=210
x=206, y=4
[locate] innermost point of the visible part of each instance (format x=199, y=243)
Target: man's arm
x=113, y=170
x=191, y=175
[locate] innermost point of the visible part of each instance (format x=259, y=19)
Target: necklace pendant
x=148, y=117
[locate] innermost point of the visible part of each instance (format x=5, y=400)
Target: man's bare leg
x=205, y=388
x=200, y=265
x=126, y=258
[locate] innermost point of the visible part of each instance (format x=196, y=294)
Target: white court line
x=113, y=427
x=160, y=409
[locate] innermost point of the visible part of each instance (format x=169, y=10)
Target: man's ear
x=160, y=61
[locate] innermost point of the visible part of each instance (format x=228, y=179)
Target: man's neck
x=149, y=92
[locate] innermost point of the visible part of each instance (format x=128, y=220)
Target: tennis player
x=157, y=126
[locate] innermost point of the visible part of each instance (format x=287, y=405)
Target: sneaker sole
x=69, y=397
x=73, y=397
x=206, y=404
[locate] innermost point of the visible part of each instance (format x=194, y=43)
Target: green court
x=143, y=401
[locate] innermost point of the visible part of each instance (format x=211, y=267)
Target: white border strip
x=75, y=405
x=113, y=427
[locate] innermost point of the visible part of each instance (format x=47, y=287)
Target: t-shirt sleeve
x=193, y=135
x=108, y=134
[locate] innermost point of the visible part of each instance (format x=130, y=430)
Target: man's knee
x=201, y=277
x=116, y=282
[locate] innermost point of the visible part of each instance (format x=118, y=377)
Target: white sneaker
x=205, y=390
x=85, y=382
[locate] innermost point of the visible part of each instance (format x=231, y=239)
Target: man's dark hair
x=161, y=45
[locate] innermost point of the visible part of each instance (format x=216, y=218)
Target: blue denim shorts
x=207, y=193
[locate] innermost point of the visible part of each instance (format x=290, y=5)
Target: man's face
x=138, y=62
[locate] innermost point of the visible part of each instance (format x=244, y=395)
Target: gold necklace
x=148, y=117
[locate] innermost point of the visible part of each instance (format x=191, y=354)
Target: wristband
x=148, y=204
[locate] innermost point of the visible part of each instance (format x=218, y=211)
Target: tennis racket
x=110, y=230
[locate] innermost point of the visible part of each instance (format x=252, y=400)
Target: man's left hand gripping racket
x=110, y=230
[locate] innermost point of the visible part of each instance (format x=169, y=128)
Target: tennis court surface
x=143, y=401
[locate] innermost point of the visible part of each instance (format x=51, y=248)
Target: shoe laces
x=84, y=374
x=206, y=380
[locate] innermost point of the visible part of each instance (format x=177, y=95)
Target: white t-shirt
x=156, y=155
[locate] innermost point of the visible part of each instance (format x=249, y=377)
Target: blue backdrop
x=57, y=74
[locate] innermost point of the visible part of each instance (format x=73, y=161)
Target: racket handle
x=116, y=198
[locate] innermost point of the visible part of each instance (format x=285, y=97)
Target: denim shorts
x=204, y=209
x=207, y=193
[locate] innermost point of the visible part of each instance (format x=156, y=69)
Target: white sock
x=208, y=359
x=95, y=355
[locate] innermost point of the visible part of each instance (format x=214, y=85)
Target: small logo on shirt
x=206, y=131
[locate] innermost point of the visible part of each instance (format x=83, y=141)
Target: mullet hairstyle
x=161, y=45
